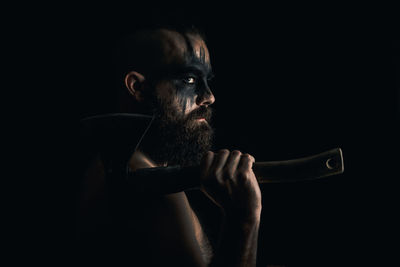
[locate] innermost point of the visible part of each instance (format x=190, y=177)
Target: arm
x=171, y=236
x=169, y=230
x=238, y=245
x=164, y=223
x=229, y=181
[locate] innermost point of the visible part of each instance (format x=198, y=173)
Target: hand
x=228, y=179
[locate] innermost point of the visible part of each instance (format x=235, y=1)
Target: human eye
x=189, y=79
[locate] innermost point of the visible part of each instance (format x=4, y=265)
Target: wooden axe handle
x=172, y=179
x=307, y=168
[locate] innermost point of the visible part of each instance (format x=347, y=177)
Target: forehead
x=185, y=49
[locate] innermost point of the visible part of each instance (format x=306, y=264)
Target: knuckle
x=236, y=153
x=246, y=155
x=209, y=154
x=223, y=151
x=243, y=175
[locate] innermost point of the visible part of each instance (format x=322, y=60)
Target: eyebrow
x=198, y=69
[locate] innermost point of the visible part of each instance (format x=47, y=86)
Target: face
x=183, y=98
x=185, y=84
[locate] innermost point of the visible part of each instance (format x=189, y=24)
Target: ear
x=134, y=83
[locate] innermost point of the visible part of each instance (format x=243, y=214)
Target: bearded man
x=164, y=74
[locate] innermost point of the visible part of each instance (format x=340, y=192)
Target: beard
x=175, y=139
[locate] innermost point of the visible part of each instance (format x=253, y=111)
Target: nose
x=205, y=98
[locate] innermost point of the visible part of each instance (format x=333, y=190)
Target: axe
x=121, y=130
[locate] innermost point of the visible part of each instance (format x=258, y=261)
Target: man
x=165, y=73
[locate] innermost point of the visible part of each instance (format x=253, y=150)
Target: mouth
x=202, y=114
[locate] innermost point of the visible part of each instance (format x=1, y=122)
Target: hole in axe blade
x=331, y=163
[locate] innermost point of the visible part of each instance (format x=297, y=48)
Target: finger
x=232, y=164
x=244, y=171
x=205, y=165
x=219, y=161
x=246, y=162
x=207, y=160
x=209, y=184
x=253, y=159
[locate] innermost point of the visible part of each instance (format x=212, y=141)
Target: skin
x=186, y=83
x=227, y=176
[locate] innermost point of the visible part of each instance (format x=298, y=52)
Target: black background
x=290, y=82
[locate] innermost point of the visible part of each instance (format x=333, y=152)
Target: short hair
x=138, y=50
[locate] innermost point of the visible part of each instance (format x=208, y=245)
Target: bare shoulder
x=169, y=229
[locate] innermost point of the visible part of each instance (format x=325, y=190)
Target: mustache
x=201, y=112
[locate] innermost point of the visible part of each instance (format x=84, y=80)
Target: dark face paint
x=191, y=81
x=175, y=136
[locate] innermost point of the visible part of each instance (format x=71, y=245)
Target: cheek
x=167, y=97
x=186, y=98
x=179, y=97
